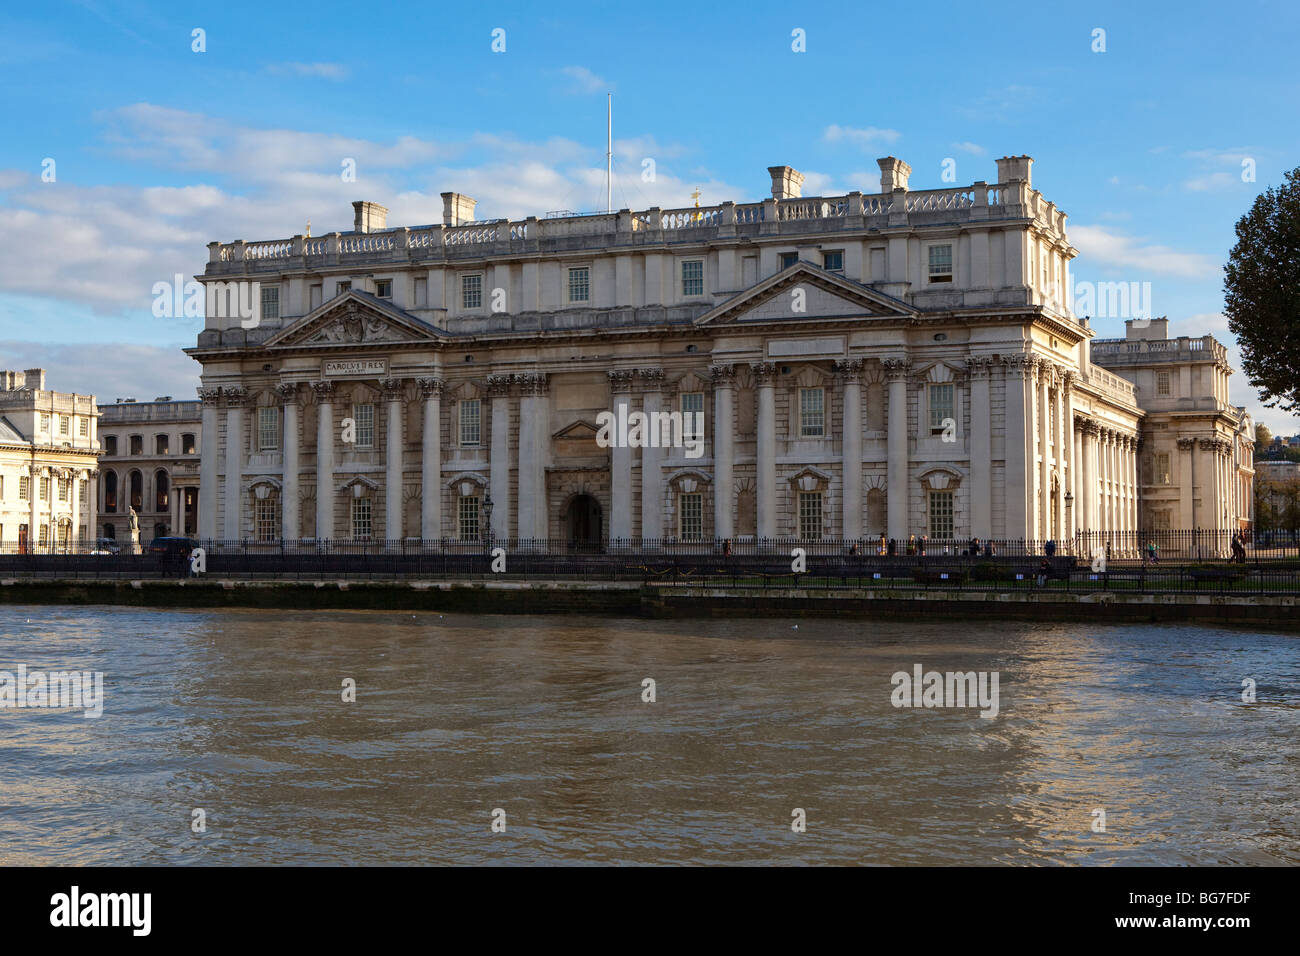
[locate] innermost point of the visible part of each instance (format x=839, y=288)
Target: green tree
x=1262, y=437
x=1262, y=293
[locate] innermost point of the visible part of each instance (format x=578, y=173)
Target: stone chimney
x=34, y=378
x=370, y=216
x=457, y=209
x=1015, y=169
x=787, y=182
x=893, y=173
x=1157, y=329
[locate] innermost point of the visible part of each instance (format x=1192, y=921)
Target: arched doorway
x=583, y=522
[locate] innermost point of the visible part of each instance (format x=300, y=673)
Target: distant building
x=1196, y=457
x=150, y=463
x=1279, y=493
x=48, y=465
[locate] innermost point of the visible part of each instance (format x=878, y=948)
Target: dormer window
x=384, y=288
x=788, y=259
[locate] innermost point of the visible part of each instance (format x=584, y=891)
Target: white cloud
x=1100, y=246
x=584, y=81
x=967, y=147
x=138, y=371
x=328, y=71
x=869, y=137
x=1200, y=184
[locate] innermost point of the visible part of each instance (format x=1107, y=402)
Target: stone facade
x=150, y=464
x=896, y=364
x=48, y=465
x=1197, y=449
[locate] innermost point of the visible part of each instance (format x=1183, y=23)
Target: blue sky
x=159, y=149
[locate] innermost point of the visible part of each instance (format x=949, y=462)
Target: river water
x=241, y=714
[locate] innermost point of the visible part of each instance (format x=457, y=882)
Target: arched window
x=110, y=495
x=135, y=494
x=160, y=490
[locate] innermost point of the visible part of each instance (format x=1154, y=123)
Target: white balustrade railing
x=276, y=249
x=366, y=243
x=932, y=200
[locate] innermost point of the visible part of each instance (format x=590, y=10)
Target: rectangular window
x=24, y=487
x=580, y=284
x=45, y=535
x=788, y=259
x=360, y=519
x=45, y=422
x=941, y=514
x=364, y=417
x=268, y=428
x=693, y=277
x=692, y=523
x=471, y=291
x=810, y=514
x=83, y=493
x=467, y=522
x=266, y=518
x=2, y=494
x=63, y=489
x=162, y=444
x=470, y=418
x=45, y=489
x=941, y=408
x=1162, y=383
x=941, y=263
x=421, y=292
x=83, y=427
x=187, y=444
x=812, y=413
x=692, y=402
x=344, y=286
x=833, y=261
x=317, y=295
x=270, y=301
x=110, y=445
x=137, y=444
x=384, y=288
x=1162, y=475
x=64, y=423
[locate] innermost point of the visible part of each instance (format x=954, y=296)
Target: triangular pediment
x=354, y=318
x=803, y=292
x=580, y=429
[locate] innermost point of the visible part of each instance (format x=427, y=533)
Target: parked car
x=171, y=547
x=106, y=546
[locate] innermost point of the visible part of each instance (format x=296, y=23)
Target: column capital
x=652, y=379
x=498, y=386
x=288, y=392
x=430, y=387
x=538, y=383
x=1186, y=444
x=896, y=370
x=324, y=391
x=209, y=396
x=764, y=373
x=849, y=371
x=392, y=388
x=234, y=395
x=979, y=367
x=621, y=379
x=723, y=375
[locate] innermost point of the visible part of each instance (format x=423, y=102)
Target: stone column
x=1062, y=446
x=498, y=388
x=981, y=449
x=1186, y=476
x=324, y=460
x=290, y=499
x=896, y=491
x=765, y=377
x=1087, y=502
x=74, y=505
x=652, y=498
x=620, y=457
x=207, y=464
x=1016, y=447
x=393, y=389
x=851, y=448
x=431, y=460
x=34, y=496
x=235, y=397
x=724, y=450
x=1042, y=505
x=534, y=438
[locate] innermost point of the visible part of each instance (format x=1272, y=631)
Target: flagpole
x=609, y=153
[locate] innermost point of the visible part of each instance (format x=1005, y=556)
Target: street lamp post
x=1069, y=519
x=487, y=524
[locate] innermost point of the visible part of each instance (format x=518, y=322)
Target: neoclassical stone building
x=897, y=364
x=49, y=452
x=150, y=464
